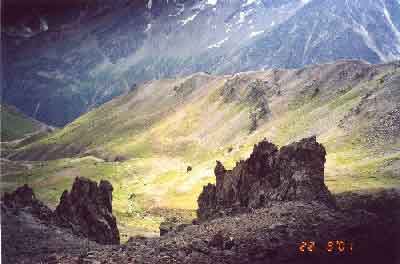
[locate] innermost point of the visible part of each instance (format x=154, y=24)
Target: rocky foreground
x=272, y=208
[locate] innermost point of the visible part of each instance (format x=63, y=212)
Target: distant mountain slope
x=327, y=30
x=62, y=64
x=144, y=142
x=15, y=124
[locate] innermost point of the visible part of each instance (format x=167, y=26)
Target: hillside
x=15, y=124
x=64, y=60
x=145, y=141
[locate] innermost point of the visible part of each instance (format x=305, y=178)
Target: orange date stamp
x=332, y=246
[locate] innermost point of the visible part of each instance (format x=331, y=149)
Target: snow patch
x=249, y=2
x=149, y=4
x=228, y=28
x=392, y=26
x=51, y=75
x=200, y=6
x=256, y=33
x=43, y=24
x=36, y=110
x=218, y=44
x=187, y=20
x=307, y=45
x=243, y=15
x=369, y=41
x=293, y=29
x=27, y=29
x=211, y=2
x=180, y=11
x=147, y=28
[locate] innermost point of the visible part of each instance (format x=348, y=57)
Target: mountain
x=158, y=144
x=61, y=61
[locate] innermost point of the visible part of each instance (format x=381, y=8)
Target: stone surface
x=24, y=198
x=87, y=209
x=172, y=225
x=272, y=234
x=295, y=172
x=269, y=235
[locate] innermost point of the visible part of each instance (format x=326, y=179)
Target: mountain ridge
x=105, y=49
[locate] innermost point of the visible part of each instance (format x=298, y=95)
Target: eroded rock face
x=295, y=172
x=24, y=198
x=87, y=208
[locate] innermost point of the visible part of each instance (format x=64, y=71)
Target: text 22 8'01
x=333, y=246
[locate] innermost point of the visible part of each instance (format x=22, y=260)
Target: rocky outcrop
x=273, y=234
x=87, y=208
x=24, y=198
x=295, y=172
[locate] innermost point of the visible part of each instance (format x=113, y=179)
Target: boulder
x=294, y=172
x=87, y=209
x=172, y=225
x=120, y=158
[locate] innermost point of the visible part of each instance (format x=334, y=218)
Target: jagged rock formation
x=295, y=172
x=24, y=198
x=88, y=210
x=272, y=234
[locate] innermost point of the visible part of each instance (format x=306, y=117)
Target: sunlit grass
x=160, y=143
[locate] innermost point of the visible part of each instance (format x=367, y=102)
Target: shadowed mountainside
x=63, y=60
x=16, y=125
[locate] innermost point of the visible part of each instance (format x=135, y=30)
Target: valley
x=200, y=131
x=143, y=142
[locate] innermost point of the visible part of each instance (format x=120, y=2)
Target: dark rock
x=88, y=210
x=221, y=241
x=165, y=228
x=189, y=169
x=295, y=172
x=207, y=201
x=21, y=197
x=171, y=225
x=120, y=158
x=24, y=198
x=199, y=245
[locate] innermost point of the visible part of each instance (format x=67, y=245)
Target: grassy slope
x=162, y=132
x=15, y=125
